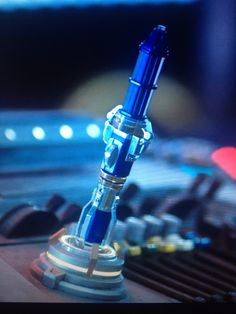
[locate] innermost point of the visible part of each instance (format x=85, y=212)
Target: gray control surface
x=18, y=285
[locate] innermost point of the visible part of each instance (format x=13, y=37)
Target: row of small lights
x=65, y=131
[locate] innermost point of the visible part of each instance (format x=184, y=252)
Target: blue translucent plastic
x=145, y=75
x=98, y=226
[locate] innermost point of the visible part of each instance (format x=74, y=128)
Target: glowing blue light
x=37, y=4
x=66, y=131
x=195, y=170
x=10, y=134
x=38, y=133
x=107, y=155
x=93, y=130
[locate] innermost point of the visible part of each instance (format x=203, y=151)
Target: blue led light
x=10, y=134
x=66, y=131
x=38, y=133
x=93, y=130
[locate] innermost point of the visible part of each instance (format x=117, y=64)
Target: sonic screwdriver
x=127, y=133
x=80, y=260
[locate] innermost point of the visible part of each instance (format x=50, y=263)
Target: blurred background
x=64, y=54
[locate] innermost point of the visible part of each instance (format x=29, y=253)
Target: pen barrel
x=99, y=215
x=143, y=82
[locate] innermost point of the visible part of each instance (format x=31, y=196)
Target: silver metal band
x=112, y=181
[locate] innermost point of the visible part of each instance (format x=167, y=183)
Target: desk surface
x=18, y=285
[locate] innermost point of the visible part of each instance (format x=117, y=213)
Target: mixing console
x=176, y=219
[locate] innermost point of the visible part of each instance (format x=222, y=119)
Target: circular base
x=89, y=271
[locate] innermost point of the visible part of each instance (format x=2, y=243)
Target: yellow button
x=155, y=240
x=134, y=250
x=167, y=247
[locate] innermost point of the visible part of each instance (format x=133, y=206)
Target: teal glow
x=93, y=130
x=195, y=170
x=36, y=4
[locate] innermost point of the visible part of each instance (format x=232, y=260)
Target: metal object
x=119, y=232
x=66, y=267
x=85, y=253
x=172, y=224
x=135, y=230
x=127, y=133
x=154, y=226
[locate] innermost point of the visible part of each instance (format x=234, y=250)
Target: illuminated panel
x=93, y=130
x=81, y=269
x=35, y=4
x=225, y=158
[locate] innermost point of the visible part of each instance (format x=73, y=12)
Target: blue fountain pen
x=127, y=133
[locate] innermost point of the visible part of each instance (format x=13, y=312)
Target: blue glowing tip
x=156, y=42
